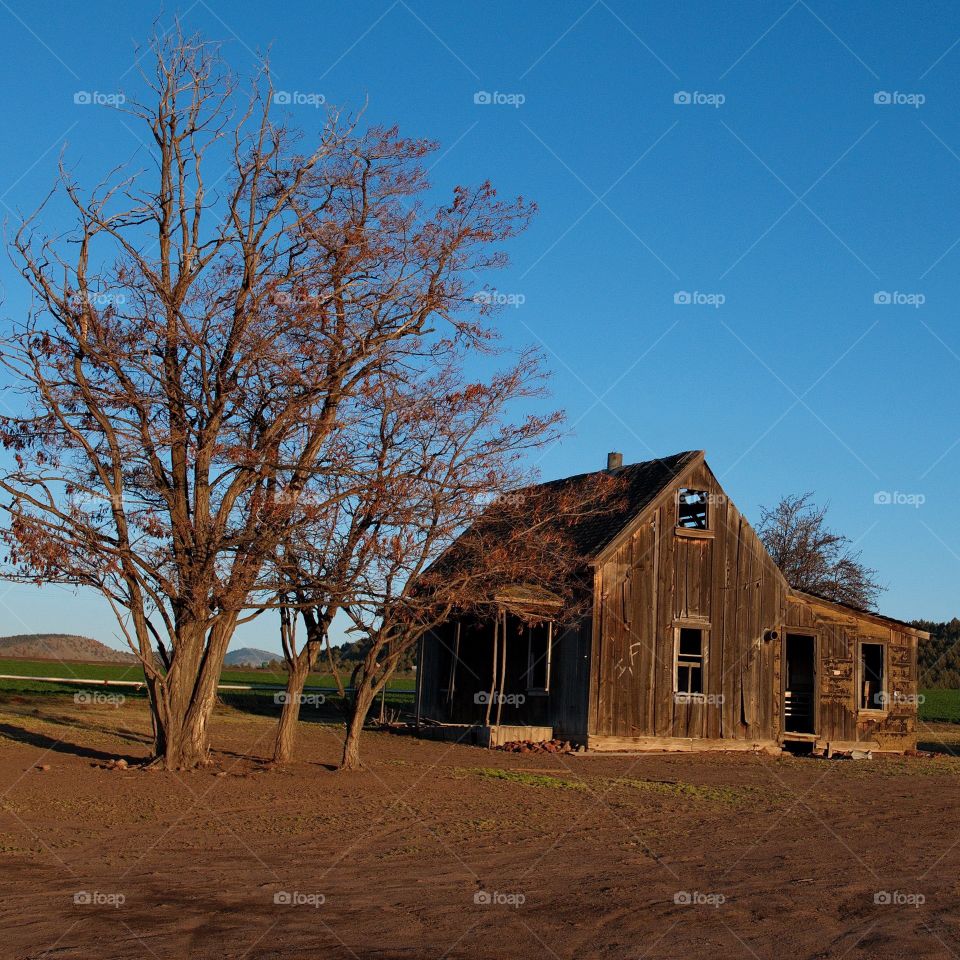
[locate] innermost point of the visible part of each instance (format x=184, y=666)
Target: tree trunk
x=189, y=695
x=185, y=739
x=363, y=699
x=287, y=727
x=154, y=693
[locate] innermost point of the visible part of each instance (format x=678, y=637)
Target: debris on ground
x=539, y=746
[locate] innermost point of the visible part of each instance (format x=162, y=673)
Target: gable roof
x=637, y=486
x=642, y=483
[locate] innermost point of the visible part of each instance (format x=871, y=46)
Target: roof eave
x=804, y=597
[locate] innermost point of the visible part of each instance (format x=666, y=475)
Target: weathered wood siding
x=839, y=634
x=660, y=578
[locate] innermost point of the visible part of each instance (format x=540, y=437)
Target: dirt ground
x=442, y=850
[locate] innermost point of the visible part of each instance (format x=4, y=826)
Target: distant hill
x=60, y=646
x=250, y=657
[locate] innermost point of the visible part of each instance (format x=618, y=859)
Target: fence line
x=140, y=684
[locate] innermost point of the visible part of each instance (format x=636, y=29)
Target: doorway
x=799, y=683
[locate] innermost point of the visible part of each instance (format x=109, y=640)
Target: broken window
x=692, y=509
x=690, y=660
x=872, y=676
x=539, y=642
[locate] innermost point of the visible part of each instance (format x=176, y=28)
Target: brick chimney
x=614, y=461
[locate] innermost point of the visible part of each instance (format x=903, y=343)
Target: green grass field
x=942, y=706
x=120, y=671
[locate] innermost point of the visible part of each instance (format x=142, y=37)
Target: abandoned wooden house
x=693, y=640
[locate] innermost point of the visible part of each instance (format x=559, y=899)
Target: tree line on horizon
x=939, y=657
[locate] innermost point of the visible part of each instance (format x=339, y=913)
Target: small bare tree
x=192, y=355
x=812, y=556
x=524, y=539
x=446, y=522
x=433, y=449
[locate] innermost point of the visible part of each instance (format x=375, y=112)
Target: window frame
x=884, y=708
x=536, y=691
x=704, y=627
x=704, y=531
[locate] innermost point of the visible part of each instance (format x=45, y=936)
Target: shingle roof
x=642, y=482
x=609, y=508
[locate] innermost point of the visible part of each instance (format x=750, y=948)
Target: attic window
x=692, y=509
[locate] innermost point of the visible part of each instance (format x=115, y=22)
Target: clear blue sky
x=782, y=195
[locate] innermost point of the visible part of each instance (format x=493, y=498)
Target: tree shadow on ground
x=95, y=723
x=9, y=731
x=93, y=726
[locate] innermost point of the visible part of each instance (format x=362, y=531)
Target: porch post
x=493, y=669
x=419, y=680
x=503, y=666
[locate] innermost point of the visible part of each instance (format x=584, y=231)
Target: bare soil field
x=442, y=850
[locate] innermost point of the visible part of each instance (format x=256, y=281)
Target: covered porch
x=487, y=679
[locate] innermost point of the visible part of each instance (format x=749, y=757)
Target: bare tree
x=195, y=345
x=813, y=557
x=434, y=449
x=523, y=544
x=444, y=524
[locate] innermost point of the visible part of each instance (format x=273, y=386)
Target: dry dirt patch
x=443, y=850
